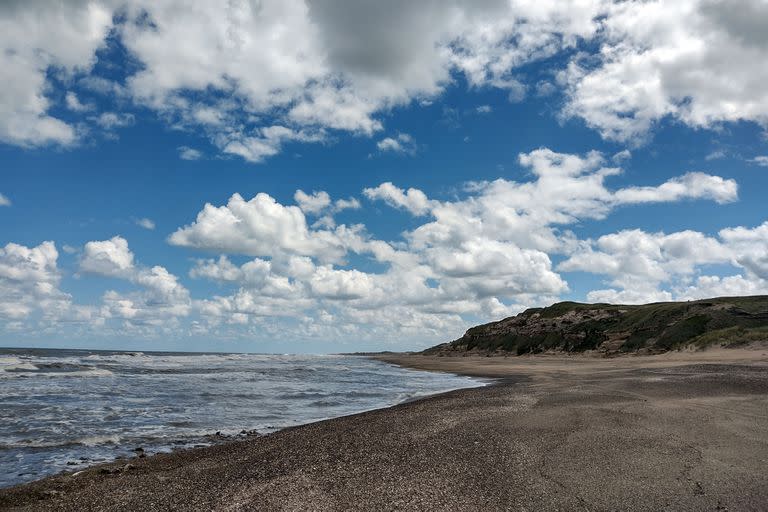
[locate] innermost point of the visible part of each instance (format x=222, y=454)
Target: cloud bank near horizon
x=292, y=269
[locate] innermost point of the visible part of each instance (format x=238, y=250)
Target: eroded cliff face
x=607, y=328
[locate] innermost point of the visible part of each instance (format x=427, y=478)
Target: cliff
x=610, y=328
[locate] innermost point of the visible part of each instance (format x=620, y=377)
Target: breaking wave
x=65, y=409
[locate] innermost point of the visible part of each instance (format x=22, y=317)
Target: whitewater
x=67, y=409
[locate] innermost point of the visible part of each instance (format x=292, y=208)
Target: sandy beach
x=679, y=431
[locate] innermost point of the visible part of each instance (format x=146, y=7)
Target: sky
x=325, y=176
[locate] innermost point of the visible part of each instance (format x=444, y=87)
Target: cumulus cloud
x=725, y=286
x=145, y=223
x=761, y=160
x=261, y=227
x=312, y=203
x=750, y=248
x=33, y=38
x=23, y=264
x=4, y=201
x=346, y=204
x=29, y=287
x=635, y=258
x=482, y=256
x=335, y=66
x=413, y=200
x=693, y=185
x=329, y=65
x=691, y=60
x=565, y=189
x=646, y=267
x=265, y=142
x=110, y=258
x=489, y=251
x=319, y=202
x=336, y=284
x=402, y=143
x=160, y=299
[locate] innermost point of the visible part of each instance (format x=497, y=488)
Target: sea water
x=67, y=409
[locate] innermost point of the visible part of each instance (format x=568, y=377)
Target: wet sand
x=682, y=431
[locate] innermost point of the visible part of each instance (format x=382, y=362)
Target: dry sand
x=682, y=431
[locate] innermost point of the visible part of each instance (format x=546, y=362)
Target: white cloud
x=336, y=108
x=289, y=70
x=484, y=109
x=163, y=291
x=517, y=91
x=112, y=120
x=187, y=153
x=635, y=257
x=346, y=204
x=750, y=248
x=110, y=258
x=545, y=88
x=341, y=284
x=761, y=160
x=566, y=188
x=492, y=267
x=158, y=302
x=490, y=251
x=641, y=295
x=4, y=201
x=74, y=103
x=621, y=156
x=646, y=267
x=260, y=227
x=477, y=258
x=312, y=203
x=221, y=270
x=727, y=286
x=33, y=37
x=715, y=155
x=329, y=65
x=693, y=185
x=23, y=264
x=691, y=60
x=320, y=205
x=29, y=285
x=146, y=223
x=402, y=143
x=267, y=142
x=413, y=200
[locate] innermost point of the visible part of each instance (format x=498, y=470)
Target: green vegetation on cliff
x=648, y=328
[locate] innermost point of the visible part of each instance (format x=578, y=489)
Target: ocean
x=68, y=409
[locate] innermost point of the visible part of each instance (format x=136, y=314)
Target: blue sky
x=458, y=163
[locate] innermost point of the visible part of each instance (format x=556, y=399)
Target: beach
x=65, y=410
x=678, y=431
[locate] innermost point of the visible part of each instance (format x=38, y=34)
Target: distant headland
x=612, y=329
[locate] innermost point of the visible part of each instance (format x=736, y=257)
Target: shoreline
x=499, y=366
x=128, y=409
x=218, y=438
x=688, y=432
